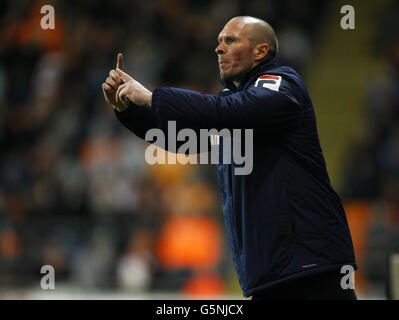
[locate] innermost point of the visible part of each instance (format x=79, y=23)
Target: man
x=285, y=224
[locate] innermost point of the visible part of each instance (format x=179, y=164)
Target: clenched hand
x=111, y=85
x=133, y=91
x=120, y=89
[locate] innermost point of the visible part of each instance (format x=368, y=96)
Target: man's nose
x=220, y=49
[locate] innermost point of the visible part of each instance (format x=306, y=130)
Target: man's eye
x=230, y=40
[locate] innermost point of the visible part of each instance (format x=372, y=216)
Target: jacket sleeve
x=140, y=120
x=257, y=107
x=137, y=119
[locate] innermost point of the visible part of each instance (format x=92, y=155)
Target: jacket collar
x=255, y=72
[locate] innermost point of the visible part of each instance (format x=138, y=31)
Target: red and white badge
x=269, y=81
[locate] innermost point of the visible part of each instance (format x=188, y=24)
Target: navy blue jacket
x=284, y=220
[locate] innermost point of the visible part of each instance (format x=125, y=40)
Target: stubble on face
x=236, y=56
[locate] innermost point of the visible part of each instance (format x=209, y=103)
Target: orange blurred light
x=190, y=242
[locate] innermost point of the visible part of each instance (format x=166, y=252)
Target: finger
x=124, y=76
x=104, y=86
x=117, y=95
x=106, y=90
x=122, y=96
x=107, y=87
x=119, y=63
x=112, y=83
x=114, y=75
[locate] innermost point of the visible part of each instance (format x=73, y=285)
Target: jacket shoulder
x=287, y=73
x=287, y=79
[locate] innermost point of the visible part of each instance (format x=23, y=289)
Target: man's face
x=235, y=51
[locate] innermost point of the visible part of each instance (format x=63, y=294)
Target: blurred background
x=76, y=193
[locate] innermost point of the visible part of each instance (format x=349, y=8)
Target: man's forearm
x=140, y=119
x=137, y=119
x=252, y=108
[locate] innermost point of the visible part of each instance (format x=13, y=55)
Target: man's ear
x=261, y=51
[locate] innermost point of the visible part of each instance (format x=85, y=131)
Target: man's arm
x=137, y=119
x=256, y=107
x=140, y=120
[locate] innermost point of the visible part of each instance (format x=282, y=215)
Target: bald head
x=258, y=32
x=244, y=43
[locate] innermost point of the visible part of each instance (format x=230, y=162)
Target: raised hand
x=133, y=91
x=113, y=82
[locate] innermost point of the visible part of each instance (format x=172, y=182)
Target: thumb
x=124, y=76
x=119, y=63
